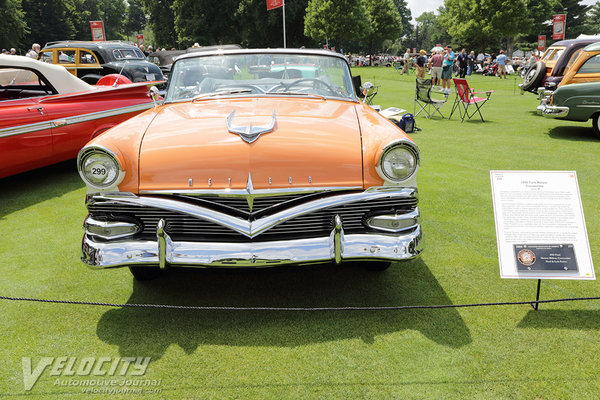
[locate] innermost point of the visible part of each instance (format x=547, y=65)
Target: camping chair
x=465, y=97
x=423, y=99
x=364, y=92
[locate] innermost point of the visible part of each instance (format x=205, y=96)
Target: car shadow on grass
x=562, y=319
x=577, y=133
x=23, y=190
x=152, y=331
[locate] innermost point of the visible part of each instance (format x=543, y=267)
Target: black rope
x=349, y=308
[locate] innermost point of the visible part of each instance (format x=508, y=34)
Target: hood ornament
x=250, y=133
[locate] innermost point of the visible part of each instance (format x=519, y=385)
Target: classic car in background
x=47, y=115
x=90, y=61
x=234, y=170
x=576, y=102
x=547, y=73
x=585, y=68
x=165, y=58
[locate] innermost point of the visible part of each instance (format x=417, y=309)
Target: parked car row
x=576, y=96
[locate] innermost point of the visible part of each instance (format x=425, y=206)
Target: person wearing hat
x=421, y=61
x=501, y=60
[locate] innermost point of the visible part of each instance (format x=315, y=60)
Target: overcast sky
x=417, y=7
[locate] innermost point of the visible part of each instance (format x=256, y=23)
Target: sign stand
x=536, y=304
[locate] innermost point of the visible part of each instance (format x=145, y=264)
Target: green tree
x=48, y=20
x=340, y=20
x=13, y=27
x=576, y=17
x=262, y=28
x=430, y=30
x=477, y=23
x=385, y=22
x=161, y=20
x=205, y=21
x=405, y=17
x=593, y=19
x=136, y=18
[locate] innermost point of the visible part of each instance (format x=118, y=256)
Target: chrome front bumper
x=337, y=246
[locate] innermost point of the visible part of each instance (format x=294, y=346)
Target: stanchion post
x=536, y=304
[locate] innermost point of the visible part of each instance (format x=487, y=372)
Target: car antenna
x=117, y=78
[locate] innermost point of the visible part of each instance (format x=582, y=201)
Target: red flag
x=271, y=4
x=97, y=28
x=542, y=42
x=558, y=26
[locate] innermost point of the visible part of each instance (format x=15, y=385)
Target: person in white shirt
x=34, y=51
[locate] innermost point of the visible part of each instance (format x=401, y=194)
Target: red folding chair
x=466, y=97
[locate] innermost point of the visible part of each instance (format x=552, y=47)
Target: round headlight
x=98, y=167
x=398, y=162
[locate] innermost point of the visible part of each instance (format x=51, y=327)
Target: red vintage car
x=47, y=115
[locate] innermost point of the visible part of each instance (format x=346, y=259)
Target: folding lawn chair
x=423, y=99
x=365, y=92
x=465, y=97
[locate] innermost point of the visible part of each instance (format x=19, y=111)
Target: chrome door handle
x=38, y=108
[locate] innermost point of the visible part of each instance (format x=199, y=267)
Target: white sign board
x=540, y=226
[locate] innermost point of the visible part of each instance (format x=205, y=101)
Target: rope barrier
x=349, y=308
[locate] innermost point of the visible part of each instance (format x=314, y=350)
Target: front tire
x=145, y=273
x=596, y=124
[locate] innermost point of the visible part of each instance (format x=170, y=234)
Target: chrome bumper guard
x=553, y=111
x=337, y=246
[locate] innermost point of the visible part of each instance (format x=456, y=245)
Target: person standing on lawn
x=463, y=61
x=447, y=69
x=501, y=60
x=471, y=63
x=436, y=68
x=406, y=61
x=421, y=61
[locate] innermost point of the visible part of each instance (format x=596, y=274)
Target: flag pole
x=284, y=41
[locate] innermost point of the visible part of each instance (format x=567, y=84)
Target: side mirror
x=153, y=93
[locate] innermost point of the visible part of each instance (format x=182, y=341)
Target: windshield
x=260, y=75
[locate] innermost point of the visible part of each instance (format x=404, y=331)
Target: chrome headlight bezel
x=405, y=144
x=89, y=151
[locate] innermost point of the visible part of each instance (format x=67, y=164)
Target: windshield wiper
x=221, y=93
x=318, y=96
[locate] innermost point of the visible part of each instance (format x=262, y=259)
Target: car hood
x=314, y=143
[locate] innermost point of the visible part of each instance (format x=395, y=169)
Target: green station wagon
x=576, y=102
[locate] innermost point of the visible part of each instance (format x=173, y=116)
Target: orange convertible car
x=256, y=158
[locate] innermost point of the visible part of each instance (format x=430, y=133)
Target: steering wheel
x=295, y=83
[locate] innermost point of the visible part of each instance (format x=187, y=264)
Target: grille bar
x=186, y=227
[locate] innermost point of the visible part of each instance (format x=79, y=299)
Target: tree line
x=365, y=26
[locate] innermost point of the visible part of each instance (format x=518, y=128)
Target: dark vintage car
x=547, y=73
x=47, y=115
x=239, y=170
x=90, y=61
x=576, y=102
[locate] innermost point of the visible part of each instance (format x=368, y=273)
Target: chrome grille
x=183, y=227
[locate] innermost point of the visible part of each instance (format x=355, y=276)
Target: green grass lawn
x=508, y=352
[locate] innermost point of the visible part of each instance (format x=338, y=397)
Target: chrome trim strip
x=254, y=228
x=337, y=234
x=254, y=192
x=371, y=246
x=39, y=126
